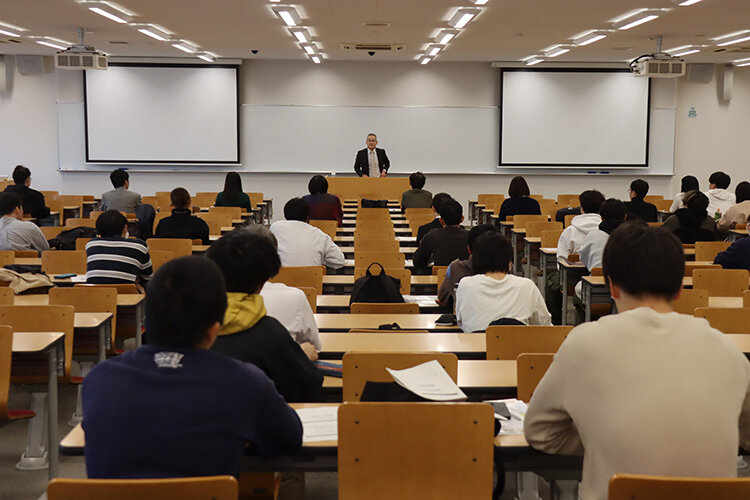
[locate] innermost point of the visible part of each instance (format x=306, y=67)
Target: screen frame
x=236, y=161
x=568, y=166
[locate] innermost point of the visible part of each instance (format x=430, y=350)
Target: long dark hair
x=689, y=183
x=232, y=184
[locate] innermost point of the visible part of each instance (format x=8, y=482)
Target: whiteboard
x=574, y=118
x=162, y=114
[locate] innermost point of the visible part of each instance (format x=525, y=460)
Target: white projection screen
x=162, y=114
x=573, y=118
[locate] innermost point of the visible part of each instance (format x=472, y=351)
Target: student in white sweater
x=719, y=197
x=572, y=237
x=648, y=390
x=493, y=293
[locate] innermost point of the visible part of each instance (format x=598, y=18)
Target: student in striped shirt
x=113, y=257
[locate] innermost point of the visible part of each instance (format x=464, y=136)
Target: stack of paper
x=517, y=410
x=319, y=424
x=429, y=381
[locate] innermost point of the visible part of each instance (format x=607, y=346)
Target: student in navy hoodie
x=737, y=256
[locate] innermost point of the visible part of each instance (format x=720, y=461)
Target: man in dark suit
x=435, y=224
x=31, y=199
x=637, y=207
x=371, y=161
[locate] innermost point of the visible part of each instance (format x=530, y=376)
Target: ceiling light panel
x=154, y=31
x=636, y=18
x=301, y=34
x=288, y=14
x=686, y=3
x=589, y=37
x=11, y=30
x=462, y=17
x=742, y=62
x=445, y=36
x=110, y=10
x=732, y=38
x=185, y=46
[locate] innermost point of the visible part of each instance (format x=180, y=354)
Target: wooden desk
x=515, y=234
x=379, y=188
x=570, y=274
x=200, y=249
x=349, y=251
x=403, y=240
x=340, y=303
x=528, y=244
x=345, y=231
x=344, y=322
x=342, y=283
x=28, y=261
x=464, y=345
x=736, y=234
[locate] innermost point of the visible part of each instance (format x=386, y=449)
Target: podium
x=373, y=188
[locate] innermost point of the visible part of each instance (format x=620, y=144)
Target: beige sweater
x=644, y=393
x=737, y=214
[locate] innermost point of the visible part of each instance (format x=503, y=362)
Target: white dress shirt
x=289, y=305
x=301, y=244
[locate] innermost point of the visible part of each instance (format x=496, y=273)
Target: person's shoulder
x=138, y=242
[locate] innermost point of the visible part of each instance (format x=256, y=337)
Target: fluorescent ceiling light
x=589, y=37
x=483, y=2
x=10, y=30
x=424, y=59
x=742, y=62
x=53, y=44
x=316, y=58
x=154, y=31
x=556, y=50
x=288, y=14
x=109, y=15
x=685, y=50
x=310, y=48
x=686, y=3
x=732, y=38
x=185, y=46
x=109, y=10
x=445, y=36
x=462, y=17
x=301, y=34
x=4, y=31
x=636, y=19
x=533, y=60
x=433, y=50
x=206, y=56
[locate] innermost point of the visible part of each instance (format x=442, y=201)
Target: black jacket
x=181, y=224
x=444, y=245
x=32, y=200
x=435, y=224
x=362, y=163
x=523, y=205
x=637, y=208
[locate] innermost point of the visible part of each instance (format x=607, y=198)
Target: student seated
x=637, y=207
x=173, y=407
x=737, y=256
x=572, y=237
x=31, y=199
x=459, y=269
x=435, y=224
x=247, y=260
x=739, y=213
x=443, y=246
x=121, y=198
x=692, y=223
x=15, y=233
x=493, y=293
x=301, y=244
x=323, y=206
x=520, y=201
x=623, y=390
x=113, y=257
x=612, y=212
x=233, y=196
x=687, y=184
x=416, y=197
x=719, y=197
x=182, y=223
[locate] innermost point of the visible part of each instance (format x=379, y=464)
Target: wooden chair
x=122, y=288
x=312, y=297
x=301, y=276
x=234, y=212
x=180, y=247
x=550, y=238
x=159, y=258
x=641, y=487
x=417, y=212
x=48, y=195
x=722, y=282
x=391, y=260
x=94, y=214
x=373, y=224
x=7, y=296
x=653, y=198
x=384, y=332
x=569, y=219
x=56, y=205
x=7, y=257
x=71, y=200
x=549, y=208
x=508, y=342
x=707, y=250
x=534, y=229
x=6, y=353
x=689, y=299
x=190, y=488
x=87, y=299
x=393, y=446
x=441, y=275
x=401, y=274
x=361, y=367
x=654, y=224
x=380, y=233
x=384, y=308
x=746, y=298
x=50, y=232
x=215, y=225
x=490, y=200
x=726, y=319
x=568, y=200
x=224, y=218
x=203, y=199
x=71, y=223
x=386, y=245
x=21, y=254
x=520, y=221
x=150, y=200
x=255, y=199
x=327, y=226
x=663, y=205
x=691, y=267
x=530, y=368
x=373, y=213
x=64, y=261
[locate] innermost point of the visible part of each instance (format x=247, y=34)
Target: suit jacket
x=423, y=230
x=362, y=164
x=121, y=199
x=637, y=208
x=32, y=200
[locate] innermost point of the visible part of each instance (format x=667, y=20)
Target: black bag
x=365, y=203
x=379, y=288
x=66, y=240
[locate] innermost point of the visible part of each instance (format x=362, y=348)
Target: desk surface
x=400, y=342
x=90, y=320
x=328, y=322
x=342, y=301
x=35, y=342
x=41, y=299
x=350, y=239
x=687, y=281
x=348, y=279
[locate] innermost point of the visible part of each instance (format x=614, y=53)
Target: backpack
x=365, y=203
x=66, y=240
x=376, y=288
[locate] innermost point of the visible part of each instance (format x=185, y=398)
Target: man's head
x=590, y=201
x=297, y=209
x=372, y=141
x=643, y=263
x=185, y=304
x=518, y=188
x=120, y=178
x=21, y=176
x=180, y=198
x=264, y=232
x=696, y=202
x=318, y=185
x=719, y=180
x=111, y=223
x=246, y=258
x=451, y=212
x=492, y=253
x=417, y=180
x=742, y=191
x=688, y=183
x=612, y=210
x=438, y=199
x=638, y=189
x=10, y=205
x=477, y=231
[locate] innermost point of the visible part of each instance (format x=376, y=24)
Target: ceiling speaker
x=700, y=72
x=34, y=65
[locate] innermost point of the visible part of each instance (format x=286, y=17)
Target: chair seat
x=19, y=414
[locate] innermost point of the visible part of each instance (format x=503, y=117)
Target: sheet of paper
x=422, y=300
x=517, y=410
x=428, y=380
x=319, y=424
x=78, y=278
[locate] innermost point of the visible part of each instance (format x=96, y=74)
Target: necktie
x=373, y=164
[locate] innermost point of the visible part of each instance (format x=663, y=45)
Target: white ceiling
x=506, y=30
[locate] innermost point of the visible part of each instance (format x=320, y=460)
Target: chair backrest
x=520, y=221
x=64, y=261
x=707, y=250
x=569, y=219
x=746, y=298
x=401, y=274
x=653, y=198
x=384, y=308
x=189, y=488
x=550, y=238
x=81, y=243
x=726, y=319
x=224, y=218
x=389, y=245
x=663, y=205
x=301, y=276
x=25, y=253
x=71, y=200
x=87, y=299
x=530, y=368
x=567, y=200
x=7, y=296
x=56, y=205
x=489, y=200
x=689, y=299
x=373, y=214
x=691, y=267
x=6, y=353
x=379, y=233
x=508, y=342
x=150, y=200
x=180, y=247
x=549, y=207
x=722, y=282
x=391, y=445
x=7, y=257
x=374, y=225
x=312, y=297
x=534, y=229
x=417, y=212
x=327, y=226
x=235, y=212
x=361, y=367
x=50, y=232
x=632, y=486
x=159, y=258
x=203, y=199
x=255, y=198
x=49, y=194
x=71, y=223
x=122, y=288
x=391, y=260
x=41, y=319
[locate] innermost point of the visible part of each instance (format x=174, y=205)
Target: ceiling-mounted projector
x=81, y=56
x=658, y=65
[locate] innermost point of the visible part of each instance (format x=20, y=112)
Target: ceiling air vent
x=732, y=50
x=10, y=40
x=376, y=25
x=369, y=47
